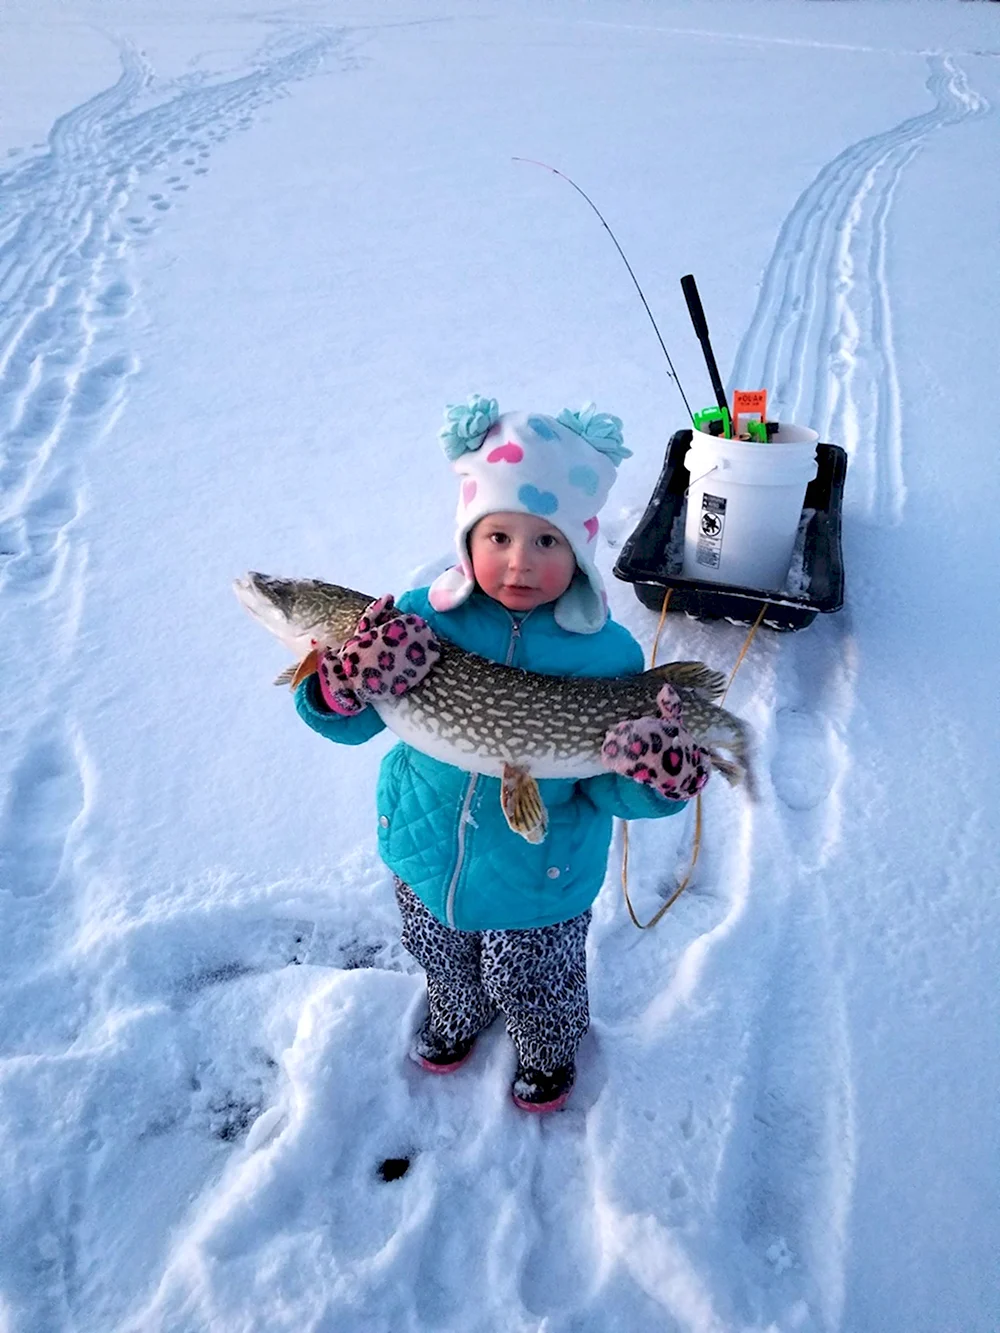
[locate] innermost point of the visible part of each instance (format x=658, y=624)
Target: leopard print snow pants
x=536, y=978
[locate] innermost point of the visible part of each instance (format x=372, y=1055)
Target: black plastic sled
x=647, y=562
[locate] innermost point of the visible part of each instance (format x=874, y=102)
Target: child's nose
x=520, y=555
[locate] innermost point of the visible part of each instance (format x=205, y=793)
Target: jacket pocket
x=574, y=848
x=391, y=778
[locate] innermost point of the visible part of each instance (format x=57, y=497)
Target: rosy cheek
x=481, y=566
x=557, y=575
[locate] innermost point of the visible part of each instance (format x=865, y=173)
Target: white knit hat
x=559, y=469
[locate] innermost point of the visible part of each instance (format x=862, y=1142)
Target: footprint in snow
x=115, y=299
x=802, y=767
x=45, y=797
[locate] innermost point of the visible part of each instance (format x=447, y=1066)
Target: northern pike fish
x=519, y=726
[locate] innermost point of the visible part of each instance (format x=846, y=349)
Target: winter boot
x=535, y=1091
x=436, y=1054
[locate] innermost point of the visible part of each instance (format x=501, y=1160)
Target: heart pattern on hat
x=505, y=453
x=538, y=502
x=585, y=479
x=542, y=428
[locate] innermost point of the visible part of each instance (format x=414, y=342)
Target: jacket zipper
x=465, y=817
x=515, y=634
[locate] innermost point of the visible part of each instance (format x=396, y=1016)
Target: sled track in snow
x=822, y=337
x=761, y=1169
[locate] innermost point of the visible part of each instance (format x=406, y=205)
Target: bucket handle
x=695, y=480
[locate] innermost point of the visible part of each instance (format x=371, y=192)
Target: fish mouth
x=272, y=603
x=256, y=591
x=268, y=600
x=246, y=593
x=254, y=595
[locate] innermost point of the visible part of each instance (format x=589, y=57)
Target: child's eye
x=547, y=540
x=498, y=538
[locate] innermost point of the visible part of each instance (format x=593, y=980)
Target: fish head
x=302, y=613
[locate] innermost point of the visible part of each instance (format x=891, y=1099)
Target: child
x=500, y=924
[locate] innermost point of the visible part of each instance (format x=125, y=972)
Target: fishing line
x=582, y=193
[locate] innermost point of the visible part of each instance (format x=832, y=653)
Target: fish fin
x=295, y=674
x=691, y=676
x=522, y=804
x=308, y=665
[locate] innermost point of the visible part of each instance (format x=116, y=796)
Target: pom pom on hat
x=466, y=425
x=600, y=429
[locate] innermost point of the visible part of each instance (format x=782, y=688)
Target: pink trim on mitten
x=337, y=694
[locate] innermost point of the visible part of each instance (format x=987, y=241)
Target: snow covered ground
x=246, y=256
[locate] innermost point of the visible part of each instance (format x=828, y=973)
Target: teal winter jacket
x=441, y=829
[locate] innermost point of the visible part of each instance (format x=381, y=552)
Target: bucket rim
x=750, y=448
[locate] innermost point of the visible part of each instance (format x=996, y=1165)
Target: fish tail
x=737, y=767
x=733, y=772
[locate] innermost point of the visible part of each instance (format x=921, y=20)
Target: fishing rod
x=672, y=372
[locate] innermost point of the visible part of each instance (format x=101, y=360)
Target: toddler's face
x=521, y=561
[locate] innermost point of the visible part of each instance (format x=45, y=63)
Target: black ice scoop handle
x=697, y=312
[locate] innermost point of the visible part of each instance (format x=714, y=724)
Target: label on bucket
x=710, y=530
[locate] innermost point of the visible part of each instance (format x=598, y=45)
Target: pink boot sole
x=537, y=1109
x=439, y=1069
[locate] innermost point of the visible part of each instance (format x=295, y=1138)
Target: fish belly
x=462, y=752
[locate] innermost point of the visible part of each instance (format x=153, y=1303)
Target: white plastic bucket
x=744, y=504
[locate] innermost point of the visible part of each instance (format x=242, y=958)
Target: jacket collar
x=540, y=617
